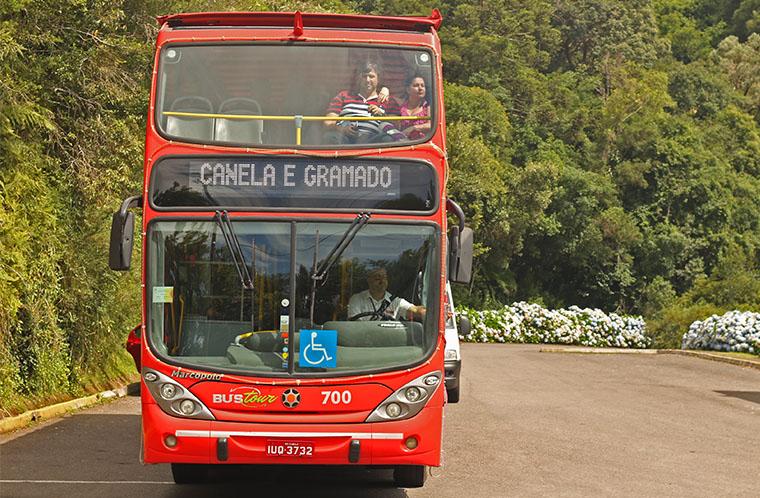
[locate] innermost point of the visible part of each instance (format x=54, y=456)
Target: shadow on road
x=291, y=481
x=751, y=396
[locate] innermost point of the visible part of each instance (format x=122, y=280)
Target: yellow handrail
x=292, y=118
x=298, y=119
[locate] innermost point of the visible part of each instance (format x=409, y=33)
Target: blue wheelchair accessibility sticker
x=318, y=348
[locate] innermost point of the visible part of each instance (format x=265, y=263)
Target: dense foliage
x=607, y=153
x=618, y=163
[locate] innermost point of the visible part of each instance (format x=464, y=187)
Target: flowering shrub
x=734, y=331
x=526, y=322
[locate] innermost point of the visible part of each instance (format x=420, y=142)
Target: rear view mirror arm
x=136, y=201
x=454, y=208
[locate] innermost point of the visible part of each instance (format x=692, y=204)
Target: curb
x=712, y=356
x=598, y=350
x=47, y=412
x=681, y=352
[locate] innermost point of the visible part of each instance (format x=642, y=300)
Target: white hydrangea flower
x=732, y=331
x=530, y=322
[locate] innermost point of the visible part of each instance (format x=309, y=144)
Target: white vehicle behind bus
x=453, y=358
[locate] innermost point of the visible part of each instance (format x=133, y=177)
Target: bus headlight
x=451, y=354
x=407, y=401
x=187, y=407
x=393, y=410
x=412, y=394
x=166, y=392
x=433, y=380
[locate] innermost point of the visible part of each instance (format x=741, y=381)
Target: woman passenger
x=415, y=105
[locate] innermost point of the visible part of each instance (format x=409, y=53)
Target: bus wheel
x=453, y=395
x=189, y=473
x=409, y=476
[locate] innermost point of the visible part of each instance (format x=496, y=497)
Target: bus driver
x=376, y=303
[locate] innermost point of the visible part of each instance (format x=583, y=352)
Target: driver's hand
x=416, y=312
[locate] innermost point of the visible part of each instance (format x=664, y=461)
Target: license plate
x=290, y=448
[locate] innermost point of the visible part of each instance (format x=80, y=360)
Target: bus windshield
x=372, y=308
x=294, y=95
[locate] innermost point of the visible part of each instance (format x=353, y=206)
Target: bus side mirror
x=460, y=255
x=463, y=327
x=122, y=235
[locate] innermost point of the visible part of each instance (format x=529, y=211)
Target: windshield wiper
x=319, y=274
x=222, y=219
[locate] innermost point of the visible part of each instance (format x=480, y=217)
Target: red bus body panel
x=303, y=20
x=249, y=426
x=381, y=443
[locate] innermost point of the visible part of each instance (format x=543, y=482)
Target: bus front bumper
x=214, y=442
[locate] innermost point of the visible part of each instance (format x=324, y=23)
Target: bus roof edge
x=310, y=20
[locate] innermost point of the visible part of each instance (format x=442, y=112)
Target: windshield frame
x=435, y=102
x=434, y=309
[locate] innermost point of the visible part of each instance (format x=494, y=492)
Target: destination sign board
x=277, y=183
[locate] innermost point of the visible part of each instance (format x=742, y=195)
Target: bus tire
x=409, y=476
x=453, y=395
x=189, y=473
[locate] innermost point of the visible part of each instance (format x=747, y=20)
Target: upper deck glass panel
x=315, y=96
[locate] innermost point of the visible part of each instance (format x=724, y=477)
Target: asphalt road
x=528, y=424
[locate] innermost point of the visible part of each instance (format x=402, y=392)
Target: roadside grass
x=117, y=372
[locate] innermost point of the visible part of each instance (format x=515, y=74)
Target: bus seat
x=260, y=361
x=369, y=334
x=242, y=131
x=350, y=358
x=187, y=127
x=210, y=337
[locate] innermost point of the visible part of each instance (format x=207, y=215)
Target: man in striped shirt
x=365, y=101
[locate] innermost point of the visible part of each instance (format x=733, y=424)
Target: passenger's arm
x=331, y=125
x=417, y=127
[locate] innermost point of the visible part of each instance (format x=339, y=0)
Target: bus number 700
x=336, y=397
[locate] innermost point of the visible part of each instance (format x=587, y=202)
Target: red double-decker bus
x=295, y=243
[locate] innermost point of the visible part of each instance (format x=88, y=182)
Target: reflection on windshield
x=295, y=95
x=375, y=308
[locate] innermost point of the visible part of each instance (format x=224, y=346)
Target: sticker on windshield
x=163, y=294
x=319, y=348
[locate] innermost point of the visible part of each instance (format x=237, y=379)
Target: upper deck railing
x=297, y=119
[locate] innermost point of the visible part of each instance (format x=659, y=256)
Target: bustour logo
x=246, y=396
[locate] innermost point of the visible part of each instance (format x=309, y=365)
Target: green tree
x=741, y=64
x=596, y=30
